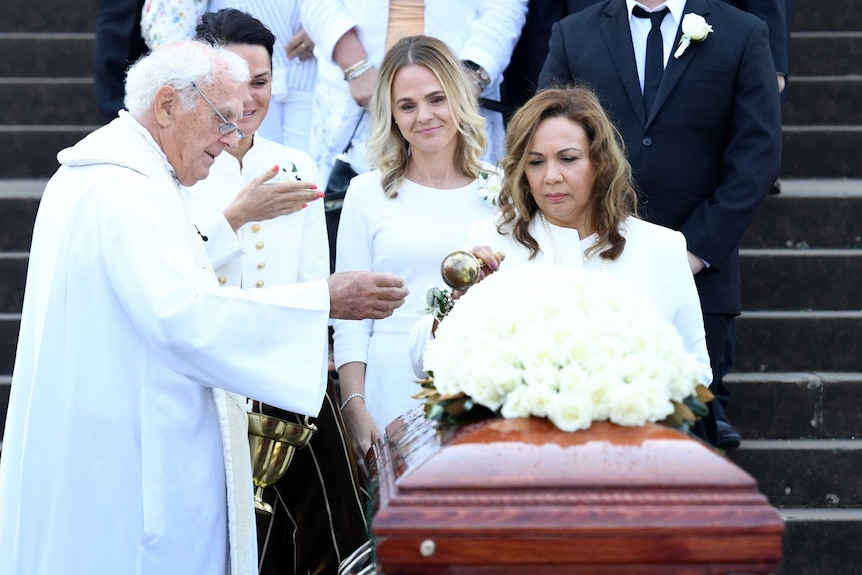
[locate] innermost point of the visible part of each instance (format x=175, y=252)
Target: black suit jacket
x=710, y=150
x=774, y=12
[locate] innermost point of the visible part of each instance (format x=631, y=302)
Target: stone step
x=19, y=200
x=821, y=542
x=48, y=16
x=5, y=388
x=53, y=55
x=48, y=101
x=9, y=325
x=809, y=214
x=824, y=54
x=796, y=280
x=821, y=152
x=796, y=405
x=13, y=273
x=831, y=16
x=32, y=150
x=798, y=341
x=823, y=100
x=804, y=472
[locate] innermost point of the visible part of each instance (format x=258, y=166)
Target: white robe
x=113, y=459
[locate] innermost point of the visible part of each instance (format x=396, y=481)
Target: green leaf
x=695, y=405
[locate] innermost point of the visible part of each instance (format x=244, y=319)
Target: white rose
x=628, y=407
x=545, y=374
x=571, y=412
x=515, y=406
x=539, y=399
x=483, y=389
x=695, y=26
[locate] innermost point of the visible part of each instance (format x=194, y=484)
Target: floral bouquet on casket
x=571, y=345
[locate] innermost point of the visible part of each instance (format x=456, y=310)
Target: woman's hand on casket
x=361, y=427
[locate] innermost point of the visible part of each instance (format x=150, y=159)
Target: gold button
x=259, y=245
x=259, y=283
x=261, y=265
x=222, y=280
x=255, y=228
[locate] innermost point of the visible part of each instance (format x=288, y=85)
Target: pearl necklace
x=555, y=256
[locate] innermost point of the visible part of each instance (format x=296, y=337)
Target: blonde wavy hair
x=387, y=149
x=613, y=197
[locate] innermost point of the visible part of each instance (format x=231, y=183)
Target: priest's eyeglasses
x=227, y=127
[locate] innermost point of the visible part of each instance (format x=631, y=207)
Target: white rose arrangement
x=491, y=183
x=694, y=29
x=571, y=345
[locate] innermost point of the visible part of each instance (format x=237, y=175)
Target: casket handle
x=427, y=548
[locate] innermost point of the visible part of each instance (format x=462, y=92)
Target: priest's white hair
x=178, y=64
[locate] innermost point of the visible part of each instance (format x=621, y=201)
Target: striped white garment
x=282, y=18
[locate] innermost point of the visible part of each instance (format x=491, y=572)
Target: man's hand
x=364, y=295
x=695, y=263
x=260, y=200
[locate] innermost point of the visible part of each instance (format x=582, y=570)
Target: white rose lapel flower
x=694, y=29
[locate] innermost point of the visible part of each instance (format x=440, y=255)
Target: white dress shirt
x=640, y=28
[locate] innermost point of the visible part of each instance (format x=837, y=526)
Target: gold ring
x=303, y=44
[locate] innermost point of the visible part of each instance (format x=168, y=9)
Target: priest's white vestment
x=113, y=457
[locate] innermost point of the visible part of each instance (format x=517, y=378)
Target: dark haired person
x=267, y=228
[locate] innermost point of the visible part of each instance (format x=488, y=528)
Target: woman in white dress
x=568, y=199
x=427, y=138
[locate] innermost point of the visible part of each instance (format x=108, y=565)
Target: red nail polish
x=275, y=168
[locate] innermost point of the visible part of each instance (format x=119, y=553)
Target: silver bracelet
x=355, y=72
x=349, y=397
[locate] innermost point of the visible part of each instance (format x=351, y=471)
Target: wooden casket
x=520, y=496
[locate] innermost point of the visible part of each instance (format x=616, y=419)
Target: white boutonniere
x=284, y=175
x=490, y=184
x=694, y=29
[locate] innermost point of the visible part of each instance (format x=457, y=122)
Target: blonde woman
x=426, y=139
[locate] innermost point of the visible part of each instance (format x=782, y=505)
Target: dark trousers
x=721, y=346
x=319, y=505
x=118, y=45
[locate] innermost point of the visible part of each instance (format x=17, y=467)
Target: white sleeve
x=493, y=35
x=325, y=22
x=219, y=240
x=351, y=337
x=417, y=342
x=269, y=344
x=688, y=318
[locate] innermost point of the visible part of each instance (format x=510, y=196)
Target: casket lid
x=532, y=453
x=507, y=491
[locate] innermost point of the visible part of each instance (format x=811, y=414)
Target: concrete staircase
x=798, y=385
x=798, y=382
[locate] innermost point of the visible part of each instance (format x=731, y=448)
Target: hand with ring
x=300, y=46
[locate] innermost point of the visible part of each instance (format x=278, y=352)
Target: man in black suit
x=705, y=153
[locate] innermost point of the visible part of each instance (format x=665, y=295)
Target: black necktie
x=654, y=65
